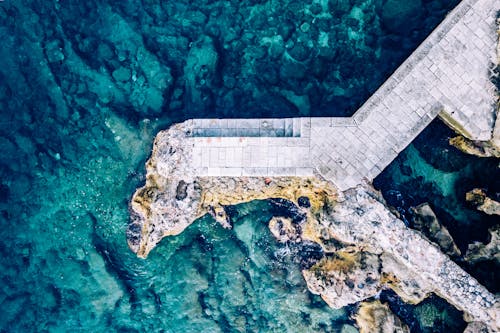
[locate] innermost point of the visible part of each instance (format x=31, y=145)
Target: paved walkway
x=449, y=73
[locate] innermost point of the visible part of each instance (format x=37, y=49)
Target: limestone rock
x=284, y=230
x=477, y=148
x=346, y=277
x=375, y=317
x=402, y=280
x=160, y=208
x=428, y=224
x=351, y=245
x=482, y=202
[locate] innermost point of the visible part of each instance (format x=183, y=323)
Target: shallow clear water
x=86, y=85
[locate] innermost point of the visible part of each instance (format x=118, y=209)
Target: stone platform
x=448, y=75
x=203, y=166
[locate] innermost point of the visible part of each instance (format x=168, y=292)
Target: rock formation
x=482, y=202
x=428, y=224
x=476, y=327
x=358, y=246
x=479, y=148
x=482, y=252
x=375, y=317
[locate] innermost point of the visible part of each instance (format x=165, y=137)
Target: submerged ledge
x=356, y=247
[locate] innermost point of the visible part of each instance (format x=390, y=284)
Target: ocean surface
x=84, y=87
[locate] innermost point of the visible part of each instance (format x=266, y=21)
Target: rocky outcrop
x=413, y=266
x=428, y=224
x=345, y=277
x=157, y=209
x=355, y=245
x=173, y=197
x=478, y=251
x=478, y=148
x=375, y=317
x=482, y=202
x=397, y=15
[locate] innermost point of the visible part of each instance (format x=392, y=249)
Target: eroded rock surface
x=478, y=251
x=482, y=202
x=476, y=327
x=375, y=317
x=427, y=222
x=358, y=247
x=345, y=277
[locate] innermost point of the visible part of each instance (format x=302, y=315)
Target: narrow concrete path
x=449, y=73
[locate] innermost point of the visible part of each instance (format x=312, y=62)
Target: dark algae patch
x=85, y=85
x=432, y=315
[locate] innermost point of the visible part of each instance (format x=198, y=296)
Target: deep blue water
x=85, y=86
x=432, y=171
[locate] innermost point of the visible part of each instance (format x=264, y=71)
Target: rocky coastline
x=356, y=247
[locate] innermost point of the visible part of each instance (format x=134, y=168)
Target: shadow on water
x=431, y=315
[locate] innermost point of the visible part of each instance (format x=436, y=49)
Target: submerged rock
x=478, y=252
x=483, y=203
x=428, y=224
x=200, y=73
x=398, y=16
x=375, y=317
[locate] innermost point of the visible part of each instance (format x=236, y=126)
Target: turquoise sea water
x=85, y=86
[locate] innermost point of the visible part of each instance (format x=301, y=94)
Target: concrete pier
x=448, y=74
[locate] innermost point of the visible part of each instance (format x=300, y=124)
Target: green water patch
x=432, y=315
x=430, y=170
x=236, y=280
x=66, y=266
